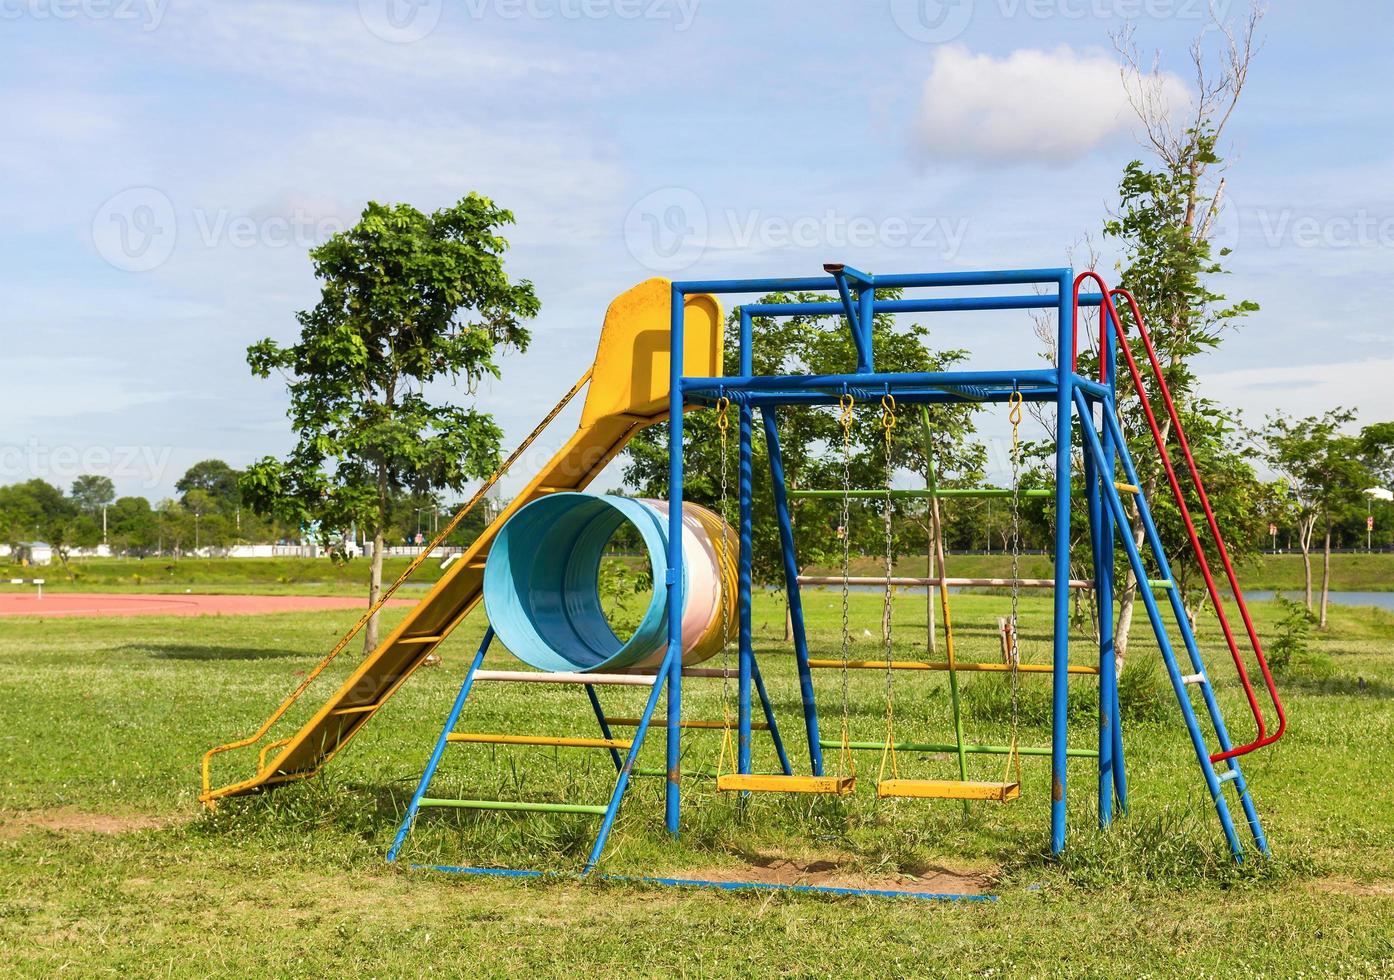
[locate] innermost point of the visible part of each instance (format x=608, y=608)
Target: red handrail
x=1107, y=298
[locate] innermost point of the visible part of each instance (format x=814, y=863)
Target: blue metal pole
x=673, y=579
x=441, y=742
x=769, y=419
x=1091, y=483
x=671, y=659
x=1183, y=623
x=1060, y=694
x=604, y=725
x=1105, y=591
x=743, y=588
x=770, y=719
x=866, y=317
x=1159, y=628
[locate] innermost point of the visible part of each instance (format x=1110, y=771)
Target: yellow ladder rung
x=948, y=789
x=357, y=709
x=759, y=726
x=560, y=741
x=1127, y=487
x=419, y=639
x=996, y=668
x=754, y=783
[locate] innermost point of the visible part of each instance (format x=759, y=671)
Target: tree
x=214, y=478
x=131, y=525
x=1327, y=473
x=1164, y=224
x=406, y=299
x=92, y=493
x=811, y=441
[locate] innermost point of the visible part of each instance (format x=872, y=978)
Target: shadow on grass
x=190, y=651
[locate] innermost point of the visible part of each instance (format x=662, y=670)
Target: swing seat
x=948, y=789
x=755, y=783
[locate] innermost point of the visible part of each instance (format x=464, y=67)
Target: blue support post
x=604, y=725
x=1096, y=519
x=673, y=579
x=770, y=420
x=410, y=818
x=1060, y=692
x=770, y=719
x=1154, y=613
x=743, y=590
x=1106, y=469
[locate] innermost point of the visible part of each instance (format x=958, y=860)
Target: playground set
x=536, y=567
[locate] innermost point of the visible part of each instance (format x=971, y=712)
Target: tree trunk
x=1304, y=540
x=1325, y=573
x=370, y=632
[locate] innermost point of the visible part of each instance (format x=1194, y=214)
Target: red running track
x=74, y=604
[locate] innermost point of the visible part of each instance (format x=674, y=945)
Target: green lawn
x=109, y=866
x=320, y=576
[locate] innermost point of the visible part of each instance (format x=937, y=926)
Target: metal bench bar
x=558, y=741
x=995, y=668
x=520, y=805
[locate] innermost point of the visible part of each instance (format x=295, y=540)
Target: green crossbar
x=951, y=747
x=523, y=805
x=992, y=492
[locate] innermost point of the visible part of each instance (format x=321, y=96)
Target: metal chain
x=846, y=403
x=1014, y=651
x=888, y=421
x=723, y=426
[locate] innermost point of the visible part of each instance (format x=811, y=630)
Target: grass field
x=109, y=866
x=320, y=576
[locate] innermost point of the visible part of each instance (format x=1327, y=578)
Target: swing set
x=537, y=566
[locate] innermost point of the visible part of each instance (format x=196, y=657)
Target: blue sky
x=167, y=164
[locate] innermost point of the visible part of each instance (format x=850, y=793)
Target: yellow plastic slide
x=628, y=391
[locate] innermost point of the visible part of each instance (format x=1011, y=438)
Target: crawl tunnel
x=542, y=583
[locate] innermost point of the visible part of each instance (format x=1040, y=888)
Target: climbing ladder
x=624, y=752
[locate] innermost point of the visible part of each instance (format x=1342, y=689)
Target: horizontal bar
x=904, y=581
x=993, y=492
x=875, y=379
x=419, y=639
x=559, y=741
x=357, y=709
x=563, y=677
x=728, y=886
x=996, y=277
x=965, y=665
x=663, y=723
x=1039, y=750
x=516, y=805
x=943, y=304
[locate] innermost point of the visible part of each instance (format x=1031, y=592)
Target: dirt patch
x=63, y=820
x=1360, y=889
x=776, y=870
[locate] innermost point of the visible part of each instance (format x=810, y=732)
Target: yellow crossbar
x=556, y=740
x=1128, y=487
x=760, y=726
x=948, y=789
x=754, y=783
x=996, y=668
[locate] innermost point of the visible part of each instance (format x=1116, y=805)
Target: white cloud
x=1030, y=106
x=1308, y=389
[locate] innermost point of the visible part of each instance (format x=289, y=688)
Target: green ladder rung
x=518, y=805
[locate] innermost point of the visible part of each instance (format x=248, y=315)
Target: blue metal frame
x=855, y=300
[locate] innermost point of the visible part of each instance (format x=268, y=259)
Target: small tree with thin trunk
x=407, y=299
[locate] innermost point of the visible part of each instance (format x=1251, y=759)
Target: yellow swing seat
x=948, y=789
x=758, y=783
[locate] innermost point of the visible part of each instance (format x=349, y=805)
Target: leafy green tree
x=406, y=299
x=91, y=493
x=1327, y=474
x=214, y=478
x=131, y=526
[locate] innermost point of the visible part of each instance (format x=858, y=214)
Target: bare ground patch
x=68, y=820
x=1360, y=889
x=837, y=873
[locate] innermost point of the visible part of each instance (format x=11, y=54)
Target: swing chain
x=723, y=426
x=888, y=422
x=846, y=404
x=1014, y=652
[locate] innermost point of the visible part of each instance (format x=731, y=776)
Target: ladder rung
x=755, y=783
x=563, y=677
x=965, y=665
x=419, y=639
x=1192, y=678
x=522, y=805
x=560, y=741
x=1127, y=487
x=759, y=726
x=948, y=789
x=1226, y=776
